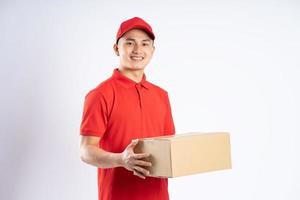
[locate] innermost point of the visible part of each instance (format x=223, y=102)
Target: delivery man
x=118, y=112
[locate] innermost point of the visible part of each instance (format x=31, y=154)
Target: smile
x=136, y=58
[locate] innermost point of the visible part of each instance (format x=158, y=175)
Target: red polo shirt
x=119, y=110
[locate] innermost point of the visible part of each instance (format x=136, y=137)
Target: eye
x=129, y=43
x=146, y=44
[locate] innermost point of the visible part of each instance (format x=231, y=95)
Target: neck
x=135, y=75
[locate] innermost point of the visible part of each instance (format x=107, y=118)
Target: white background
x=227, y=65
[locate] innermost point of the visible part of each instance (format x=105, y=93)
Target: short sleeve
x=169, y=128
x=94, y=117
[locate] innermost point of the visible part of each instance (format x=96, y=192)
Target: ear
x=153, y=50
x=116, y=49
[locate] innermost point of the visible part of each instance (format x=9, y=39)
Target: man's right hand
x=134, y=162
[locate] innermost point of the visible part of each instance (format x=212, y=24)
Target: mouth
x=137, y=58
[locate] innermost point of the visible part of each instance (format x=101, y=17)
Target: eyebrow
x=131, y=39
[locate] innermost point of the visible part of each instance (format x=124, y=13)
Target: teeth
x=136, y=58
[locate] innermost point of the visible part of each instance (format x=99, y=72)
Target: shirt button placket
x=138, y=89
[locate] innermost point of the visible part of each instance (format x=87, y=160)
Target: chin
x=137, y=67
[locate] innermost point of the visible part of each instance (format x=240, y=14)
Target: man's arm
x=90, y=153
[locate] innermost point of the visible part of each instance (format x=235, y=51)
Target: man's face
x=135, y=49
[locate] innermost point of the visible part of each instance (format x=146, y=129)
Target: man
x=121, y=110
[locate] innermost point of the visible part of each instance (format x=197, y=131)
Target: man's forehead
x=135, y=39
x=136, y=33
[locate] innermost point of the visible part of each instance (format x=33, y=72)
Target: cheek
x=123, y=54
x=150, y=53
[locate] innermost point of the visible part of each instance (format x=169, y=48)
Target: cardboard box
x=186, y=154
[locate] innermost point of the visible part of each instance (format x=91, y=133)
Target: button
x=138, y=85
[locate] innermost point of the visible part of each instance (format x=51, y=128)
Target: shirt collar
x=127, y=82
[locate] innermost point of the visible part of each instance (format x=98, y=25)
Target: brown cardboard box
x=186, y=154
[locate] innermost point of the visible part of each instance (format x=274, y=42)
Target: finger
x=138, y=174
x=141, y=170
x=140, y=155
x=142, y=163
x=133, y=143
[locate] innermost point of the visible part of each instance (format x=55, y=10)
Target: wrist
x=119, y=160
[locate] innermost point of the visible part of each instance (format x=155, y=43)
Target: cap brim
x=146, y=30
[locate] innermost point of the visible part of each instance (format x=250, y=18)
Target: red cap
x=133, y=23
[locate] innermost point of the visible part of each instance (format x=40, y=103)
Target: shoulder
x=156, y=87
x=103, y=89
x=161, y=91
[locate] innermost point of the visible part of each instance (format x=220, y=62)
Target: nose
x=136, y=48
